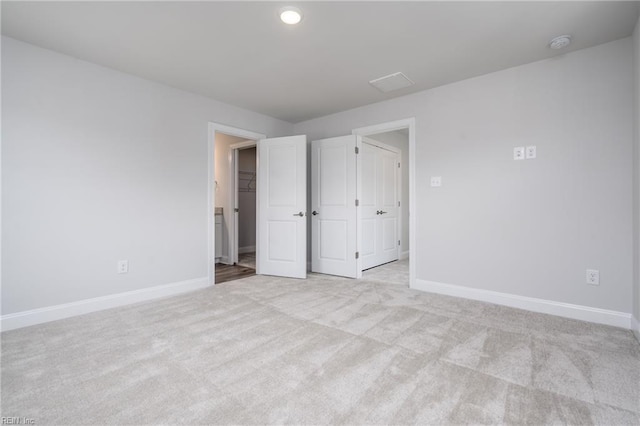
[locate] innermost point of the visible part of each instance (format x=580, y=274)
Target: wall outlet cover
x=518, y=153
x=593, y=277
x=123, y=266
x=531, y=152
x=436, y=181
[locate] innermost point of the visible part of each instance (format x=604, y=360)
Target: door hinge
x=398, y=242
x=398, y=203
x=357, y=150
x=357, y=203
x=398, y=165
x=357, y=255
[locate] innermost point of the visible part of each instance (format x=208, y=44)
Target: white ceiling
x=240, y=53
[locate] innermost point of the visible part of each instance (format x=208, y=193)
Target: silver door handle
x=381, y=212
x=314, y=213
x=299, y=214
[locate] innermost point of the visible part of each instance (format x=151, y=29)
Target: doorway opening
x=224, y=145
x=245, y=184
x=392, y=143
x=236, y=183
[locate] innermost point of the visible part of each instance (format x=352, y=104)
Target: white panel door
x=281, y=248
x=369, y=216
x=379, y=192
x=334, y=219
x=388, y=203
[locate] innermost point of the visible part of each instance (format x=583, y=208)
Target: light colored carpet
x=321, y=351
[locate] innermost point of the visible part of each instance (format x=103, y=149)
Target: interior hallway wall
x=99, y=166
x=529, y=228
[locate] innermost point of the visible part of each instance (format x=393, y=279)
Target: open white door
x=379, y=205
x=334, y=220
x=281, y=247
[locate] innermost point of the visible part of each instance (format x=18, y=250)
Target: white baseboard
x=57, y=312
x=404, y=255
x=247, y=249
x=567, y=310
x=635, y=327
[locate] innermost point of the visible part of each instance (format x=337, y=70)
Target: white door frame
x=233, y=195
x=396, y=151
x=407, y=123
x=211, y=188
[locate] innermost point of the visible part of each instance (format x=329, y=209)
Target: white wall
x=400, y=140
x=98, y=166
x=529, y=228
x=636, y=180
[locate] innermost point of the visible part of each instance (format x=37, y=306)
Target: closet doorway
x=399, y=137
x=360, y=201
x=245, y=205
x=380, y=215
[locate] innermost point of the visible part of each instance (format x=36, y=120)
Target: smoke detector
x=560, y=42
x=391, y=82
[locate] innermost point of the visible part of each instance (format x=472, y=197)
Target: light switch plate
x=518, y=153
x=436, y=181
x=531, y=152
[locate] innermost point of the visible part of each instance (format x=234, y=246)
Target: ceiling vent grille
x=391, y=82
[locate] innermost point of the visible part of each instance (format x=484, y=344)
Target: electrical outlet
x=436, y=181
x=593, y=277
x=518, y=153
x=531, y=152
x=123, y=266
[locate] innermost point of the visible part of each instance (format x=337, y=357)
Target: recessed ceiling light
x=290, y=15
x=560, y=42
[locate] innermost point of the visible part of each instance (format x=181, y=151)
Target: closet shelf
x=246, y=181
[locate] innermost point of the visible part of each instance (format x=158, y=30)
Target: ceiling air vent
x=391, y=82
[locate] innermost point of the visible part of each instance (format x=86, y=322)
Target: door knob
x=299, y=214
x=314, y=213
